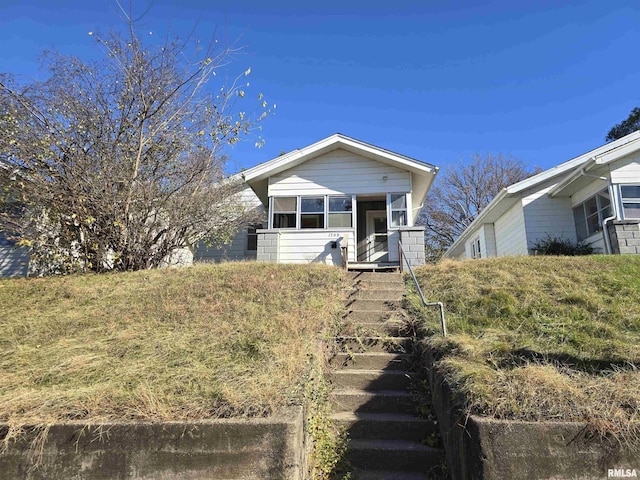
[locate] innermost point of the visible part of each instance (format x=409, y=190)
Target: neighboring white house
x=593, y=198
x=337, y=193
x=14, y=261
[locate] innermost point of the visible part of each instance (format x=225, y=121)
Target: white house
x=593, y=198
x=14, y=261
x=337, y=200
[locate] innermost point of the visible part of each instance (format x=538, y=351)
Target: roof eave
x=479, y=220
x=284, y=162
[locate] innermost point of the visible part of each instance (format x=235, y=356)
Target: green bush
x=560, y=246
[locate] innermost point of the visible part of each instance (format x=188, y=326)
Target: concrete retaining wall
x=488, y=449
x=271, y=448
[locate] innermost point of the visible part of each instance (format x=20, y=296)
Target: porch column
x=625, y=236
x=412, y=239
x=268, y=249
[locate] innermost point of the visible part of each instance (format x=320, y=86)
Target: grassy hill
x=173, y=344
x=542, y=338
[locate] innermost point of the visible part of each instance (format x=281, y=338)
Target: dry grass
x=175, y=344
x=542, y=338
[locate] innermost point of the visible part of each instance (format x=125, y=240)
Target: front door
x=377, y=238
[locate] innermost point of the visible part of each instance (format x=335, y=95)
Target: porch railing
x=401, y=256
x=344, y=251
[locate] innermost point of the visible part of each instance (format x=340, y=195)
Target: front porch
x=373, y=266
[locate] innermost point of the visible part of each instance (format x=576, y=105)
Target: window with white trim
x=398, y=203
x=284, y=212
x=475, y=248
x=312, y=212
x=317, y=212
x=340, y=211
x=630, y=195
x=590, y=214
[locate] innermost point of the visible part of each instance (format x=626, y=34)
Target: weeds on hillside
x=542, y=338
x=175, y=344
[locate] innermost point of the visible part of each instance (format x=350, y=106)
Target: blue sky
x=436, y=80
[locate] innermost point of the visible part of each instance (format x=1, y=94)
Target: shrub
x=560, y=246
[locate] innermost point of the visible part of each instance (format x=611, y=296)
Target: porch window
x=284, y=212
x=630, y=200
x=590, y=214
x=398, y=210
x=312, y=212
x=340, y=212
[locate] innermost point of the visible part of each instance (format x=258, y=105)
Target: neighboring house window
x=312, y=212
x=475, y=248
x=340, y=212
x=590, y=214
x=398, y=210
x=284, y=212
x=252, y=238
x=630, y=195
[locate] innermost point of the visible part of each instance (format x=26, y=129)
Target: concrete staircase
x=372, y=399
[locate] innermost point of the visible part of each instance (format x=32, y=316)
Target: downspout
x=613, y=201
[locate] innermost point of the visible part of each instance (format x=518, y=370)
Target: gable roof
x=572, y=169
x=257, y=177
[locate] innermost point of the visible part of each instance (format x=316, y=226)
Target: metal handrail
x=402, y=255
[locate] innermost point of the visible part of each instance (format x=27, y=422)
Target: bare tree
x=461, y=192
x=117, y=164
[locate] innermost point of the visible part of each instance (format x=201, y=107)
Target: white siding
x=547, y=216
x=305, y=246
x=236, y=250
x=340, y=172
x=14, y=262
x=489, y=243
x=596, y=241
x=510, y=233
x=627, y=169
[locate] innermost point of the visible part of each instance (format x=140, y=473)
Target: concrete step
x=381, y=401
x=375, y=344
x=372, y=361
x=368, y=316
x=381, y=305
x=385, y=475
x=378, y=276
x=384, y=426
x=393, y=455
x=378, y=294
x=370, y=380
x=389, y=328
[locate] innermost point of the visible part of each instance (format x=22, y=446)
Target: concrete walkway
x=372, y=397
